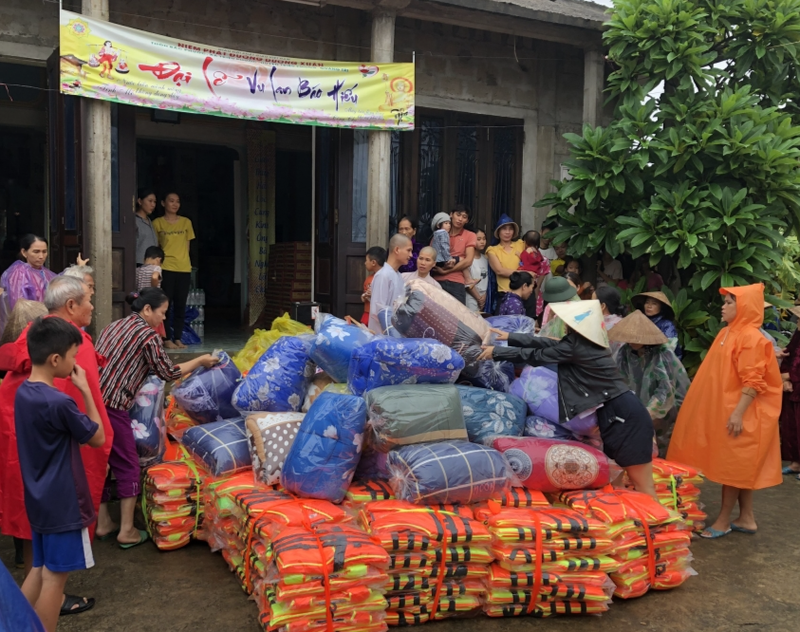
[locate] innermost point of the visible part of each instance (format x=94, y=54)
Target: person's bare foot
x=748, y=524
x=129, y=537
x=170, y=345
x=104, y=530
x=180, y=344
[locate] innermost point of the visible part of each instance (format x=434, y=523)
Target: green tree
x=706, y=171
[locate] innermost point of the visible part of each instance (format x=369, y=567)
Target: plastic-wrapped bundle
x=488, y=414
x=147, y=421
x=206, y=394
x=651, y=542
x=335, y=343
x=277, y=382
x=414, y=413
x=270, y=437
x=513, y=324
x=516, y=497
x=447, y=472
x=373, y=465
x=391, y=361
x=439, y=557
x=325, y=453
x=496, y=376
x=172, y=504
x=549, y=561
x=544, y=429
x=677, y=488
x=222, y=446
x=219, y=524
x=254, y=348
x=549, y=465
x=319, y=383
x=538, y=386
x=368, y=491
x=428, y=312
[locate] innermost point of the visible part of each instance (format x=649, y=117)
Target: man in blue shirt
x=50, y=431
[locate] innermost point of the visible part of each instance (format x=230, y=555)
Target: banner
x=260, y=216
x=101, y=60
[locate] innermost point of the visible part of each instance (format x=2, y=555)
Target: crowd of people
x=65, y=428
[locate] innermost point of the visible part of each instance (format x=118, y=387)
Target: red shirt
x=458, y=248
x=367, y=285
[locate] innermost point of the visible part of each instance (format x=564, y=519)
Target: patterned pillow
x=270, y=435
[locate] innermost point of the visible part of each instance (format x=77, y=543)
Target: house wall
x=539, y=83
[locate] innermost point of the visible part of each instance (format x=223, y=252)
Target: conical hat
x=585, y=318
x=639, y=300
x=637, y=329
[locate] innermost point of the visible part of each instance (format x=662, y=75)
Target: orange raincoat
x=740, y=357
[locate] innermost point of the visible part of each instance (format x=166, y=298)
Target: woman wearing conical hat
x=588, y=380
x=656, y=306
x=651, y=369
x=728, y=424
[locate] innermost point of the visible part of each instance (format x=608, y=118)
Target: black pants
x=176, y=287
x=456, y=290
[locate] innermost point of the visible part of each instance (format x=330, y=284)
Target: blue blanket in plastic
x=222, y=445
x=496, y=376
x=147, y=421
x=489, y=414
x=206, y=395
x=538, y=386
x=513, y=324
x=327, y=448
x=447, y=472
x=16, y=614
x=277, y=382
x=392, y=361
x=543, y=429
x=334, y=345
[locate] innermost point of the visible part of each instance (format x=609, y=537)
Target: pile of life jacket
x=650, y=541
x=439, y=555
x=677, y=488
x=172, y=503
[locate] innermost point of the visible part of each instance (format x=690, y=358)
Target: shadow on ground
x=744, y=583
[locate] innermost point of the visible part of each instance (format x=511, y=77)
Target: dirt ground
x=743, y=582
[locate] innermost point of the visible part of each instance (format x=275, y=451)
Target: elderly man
x=82, y=273
x=67, y=298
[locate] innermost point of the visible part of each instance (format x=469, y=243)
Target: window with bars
x=430, y=159
x=504, y=164
x=467, y=158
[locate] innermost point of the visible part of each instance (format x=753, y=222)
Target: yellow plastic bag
x=286, y=325
x=258, y=343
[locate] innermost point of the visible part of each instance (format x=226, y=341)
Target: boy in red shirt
x=532, y=260
x=376, y=257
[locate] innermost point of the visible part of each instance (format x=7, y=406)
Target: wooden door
x=65, y=182
x=123, y=206
x=325, y=210
x=350, y=219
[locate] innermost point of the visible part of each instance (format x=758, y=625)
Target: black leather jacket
x=587, y=374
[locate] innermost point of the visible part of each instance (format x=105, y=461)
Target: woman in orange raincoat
x=728, y=424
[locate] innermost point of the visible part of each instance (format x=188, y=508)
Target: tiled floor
x=228, y=338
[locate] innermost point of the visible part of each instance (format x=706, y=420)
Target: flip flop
x=70, y=601
x=788, y=471
x=713, y=533
x=143, y=537
x=107, y=536
x=736, y=527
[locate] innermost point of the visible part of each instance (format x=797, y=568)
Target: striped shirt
x=133, y=350
x=144, y=276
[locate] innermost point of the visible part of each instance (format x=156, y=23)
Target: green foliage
x=706, y=171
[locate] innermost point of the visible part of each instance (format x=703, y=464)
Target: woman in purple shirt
x=408, y=227
x=520, y=290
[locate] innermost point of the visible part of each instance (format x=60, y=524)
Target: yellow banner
x=101, y=60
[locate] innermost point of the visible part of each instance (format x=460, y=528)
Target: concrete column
x=593, y=83
x=528, y=214
x=380, y=143
x=97, y=190
x=545, y=159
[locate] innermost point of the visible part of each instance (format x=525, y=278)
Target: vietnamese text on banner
x=101, y=60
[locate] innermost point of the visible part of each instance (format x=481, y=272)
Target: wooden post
x=380, y=142
x=97, y=190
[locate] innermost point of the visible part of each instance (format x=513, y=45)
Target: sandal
x=788, y=471
x=736, y=527
x=713, y=534
x=106, y=537
x=70, y=601
x=143, y=537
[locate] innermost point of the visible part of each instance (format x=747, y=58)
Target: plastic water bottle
x=202, y=298
x=201, y=330
x=201, y=316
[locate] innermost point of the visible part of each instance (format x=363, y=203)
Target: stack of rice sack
x=148, y=422
x=548, y=561
x=172, y=503
x=677, y=488
x=439, y=558
x=538, y=386
x=429, y=312
x=650, y=541
x=261, y=340
x=206, y=394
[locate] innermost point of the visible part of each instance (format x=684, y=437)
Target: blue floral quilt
x=334, y=345
x=488, y=414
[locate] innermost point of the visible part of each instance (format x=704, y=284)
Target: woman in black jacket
x=588, y=379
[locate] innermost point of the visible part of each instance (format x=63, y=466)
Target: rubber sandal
x=788, y=471
x=70, y=601
x=713, y=533
x=108, y=536
x=736, y=527
x=143, y=537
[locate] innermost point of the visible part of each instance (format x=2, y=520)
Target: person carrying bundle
x=588, y=379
